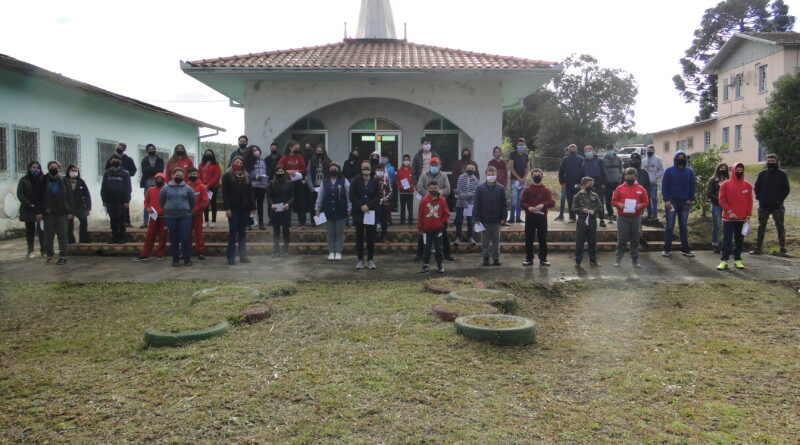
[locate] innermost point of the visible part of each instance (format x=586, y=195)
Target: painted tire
x=505, y=302
x=158, y=338
x=445, y=314
x=202, y=293
x=524, y=334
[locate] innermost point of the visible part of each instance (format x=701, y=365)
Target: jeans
x=460, y=223
x=679, y=211
x=445, y=243
x=280, y=223
x=83, y=231
x=563, y=201
x=777, y=216
x=628, y=230
x=571, y=191
x=116, y=212
x=179, y=231
x=407, y=205
x=516, y=194
x=31, y=230
x=535, y=227
x=260, y=194
x=55, y=225
x=652, y=206
x=490, y=238
x=335, y=229
x=608, y=193
x=212, y=205
x=716, y=224
x=365, y=231
x=432, y=240
x=237, y=233
x=586, y=233
x=732, y=239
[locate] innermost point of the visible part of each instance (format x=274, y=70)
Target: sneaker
x=687, y=253
x=244, y=260
x=425, y=268
x=231, y=261
x=510, y=221
x=371, y=264
x=440, y=268
x=757, y=251
x=160, y=258
x=188, y=263
x=331, y=256
x=143, y=226
x=544, y=263
x=62, y=261
x=337, y=257
x=48, y=260
x=496, y=262
x=212, y=224
x=504, y=223
x=518, y=221
x=637, y=266
x=559, y=218
x=141, y=259
x=450, y=258
x=723, y=266
x=360, y=264
x=738, y=264
x=577, y=264
x=616, y=264
x=201, y=257
x=594, y=263
x=176, y=263
x=571, y=221
x=602, y=223
x=276, y=253
x=784, y=252
x=205, y=224
x=666, y=253
x=457, y=241
x=485, y=262
x=472, y=241
x=527, y=263
x=31, y=255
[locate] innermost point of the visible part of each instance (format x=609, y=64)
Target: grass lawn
x=369, y=363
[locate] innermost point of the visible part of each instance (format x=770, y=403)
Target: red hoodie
x=432, y=214
x=625, y=191
x=151, y=197
x=200, y=196
x=736, y=197
x=209, y=174
x=184, y=163
x=536, y=194
x=404, y=173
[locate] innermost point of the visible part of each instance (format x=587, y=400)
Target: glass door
x=384, y=142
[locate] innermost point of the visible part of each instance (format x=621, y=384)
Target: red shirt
x=185, y=163
x=151, y=197
x=432, y=214
x=294, y=162
x=404, y=173
x=625, y=191
x=736, y=196
x=502, y=171
x=200, y=196
x=209, y=174
x=534, y=194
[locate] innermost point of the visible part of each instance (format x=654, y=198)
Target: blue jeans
x=516, y=194
x=179, y=231
x=460, y=223
x=237, y=231
x=732, y=239
x=563, y=201
x=716, y=224
x=652, y=195
x=679, y=211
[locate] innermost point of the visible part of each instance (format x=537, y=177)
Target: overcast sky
x=135, y=48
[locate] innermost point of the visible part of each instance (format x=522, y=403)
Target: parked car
x=625, y=153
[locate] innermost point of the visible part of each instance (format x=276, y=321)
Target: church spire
x=375, y=20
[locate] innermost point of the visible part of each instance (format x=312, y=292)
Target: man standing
x=130, y=166
x=115, y=191
x=612, y=169
x=678, y=187
x=593, y=168
x=570, y=174
x=519, y=166
x=501, y=171
x=421, y=163
x=54, y=206
x=151, y=165
x=536, y=200
x=655, y=170
x=771, y=189
x=490, y=211
x=736, y=200
x=630, y=199
x=239, y=152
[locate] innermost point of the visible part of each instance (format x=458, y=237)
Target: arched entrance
x=375, y=134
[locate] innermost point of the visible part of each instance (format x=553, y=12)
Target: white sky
x=135, y=48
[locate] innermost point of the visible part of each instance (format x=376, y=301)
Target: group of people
x=181, y=199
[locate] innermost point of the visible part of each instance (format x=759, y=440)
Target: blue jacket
x=570, y=170
x=177, y=200
x=678, y=184
x=490, y=203
x=593, y=168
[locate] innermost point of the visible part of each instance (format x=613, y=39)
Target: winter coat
x=237, y=195
x=27, y=193
x=209, y=173
x=712, y=189
x=678, y=184
x=351, y=169
x=736, y=197
x=363, y=193
x=466, y=187
x=771, y=188
x=404, y=173
x=624, y=192
x=591, y=201
x=571, y=170
x=184, y=163
x=334, y=198
x=427, y=178
x=490, y=203
x=536, y=194
x=654, y=166
x=432, y=214
x=54, y=198
x=258, y=174
x=416, y=164
x=116, y=186
x=272, y=162
x=81, y=197
x=148, y=172
x=612, y=169
x=593, y=168
x=127, y=163
x=317, y=170
x=642, y=177
x=177, y=200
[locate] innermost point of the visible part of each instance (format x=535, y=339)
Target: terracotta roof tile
x=781, y=38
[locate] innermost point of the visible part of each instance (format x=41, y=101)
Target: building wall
x=33, y=103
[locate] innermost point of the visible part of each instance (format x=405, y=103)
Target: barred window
x=706, y=140
x=67, y=147
x=3, y=148
x=105, y=149
x=162, y=153
x=26, y=147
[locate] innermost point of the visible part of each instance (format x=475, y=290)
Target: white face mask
x=73, y=174
x=379, y=174
x=406, y=163
x=426, y=147
x=491, y=179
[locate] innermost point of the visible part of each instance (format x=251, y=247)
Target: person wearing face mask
x=157, y=227
x=736, y=200
x=501, y=167
x=465, y=198
x=536, y=200
x=629, y=222
x=238, y=202
x=519, y=165
x=200, y=204
x=295, y=167
x=280, y=198
x=712, y=191
x=678, y=187
x=643, y=179
x=272, y=162
x=333, y=200
x=177, y=199
x=570, y=173
x=391, y=173
x=350, y=170
x=242, y=142
x=150, y=165
x=490, y=211
x=420, y=164
x=54, y=206
x=308, y=152
x=456, y=170
x=384, y=201
x=130, y=166
x=771, y=189
x=612, y=169
x=589, y=208
x=318, y=167
x=364, y=196
x=209, y=175
x=406, y=193
x=435, y=174
x=82, y=204
x=115, y=191
x=655, y=170
x=256, y=168
x=432, y=224
x=593, y=168
x=27, y=194
x=179, y=159
x=374, y=160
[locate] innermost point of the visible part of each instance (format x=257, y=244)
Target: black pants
x=383, y=215
x=312, y=200
x=83, y=231
x=368, y=232
x=31, y=230
x=260, y=194
x=116, y=212
x=300, y=191
x=777, y=214
x=433, y=240
x=280, y=223
x=535, y=227
x=212, y=205
x=445, y=243
x=586, y=233
x=407, y=205
x=571, y=191
x=732, y=240
x=608, y=193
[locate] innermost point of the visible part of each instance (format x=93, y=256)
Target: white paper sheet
x=404, y=182
x=479, y=228
x=630, y=206
x=468, y=210
x=369, y=218
x=255, y=220
x=153, y=213
x=296, y=176
x=587, y=218
x=40, y=224
x=105, y=211
x=279, y=207
x=320, y=220
x=210, y=195
x=418, y=196
x=424, y=238
x=745, y=229
x=316, y=189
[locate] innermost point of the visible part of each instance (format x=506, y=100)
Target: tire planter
x=505, y=302
x=446, y=313
x=158, y=338
x=522, y=334
x=202, y=294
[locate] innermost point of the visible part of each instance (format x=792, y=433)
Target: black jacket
x=116, y=186
x=127, y=163
x=351, y=169
x=149, y=172
x=237, y=195
x=81, y=198
x=771, y=187
x=357, y=186
x=279, y=192
x=49, y=203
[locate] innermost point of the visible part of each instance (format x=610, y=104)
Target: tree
x=778, y=125
x=704, y=166
x=717, y=27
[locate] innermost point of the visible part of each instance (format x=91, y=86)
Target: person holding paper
x=736, y=200
x=27, y=194
x=295, y=166
x=433, y=216
x=490, y=212
x=536, y=200
x=334, y=204
x=631, y=200
x=588, y=207
x=150, y=165
x=209, y=175
x=54, y=206
x=317, y=171
x=238, y=202
x=364, y=198
x=200, y=204
x=465, y=201
x=115, y=191
x=157, y=227
x=385, y=200
x=280, y=198
x=435, y=174
x=177, y=199
x=256, y=168
x=404, y=183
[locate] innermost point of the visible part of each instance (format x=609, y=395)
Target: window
x=3, y=148
x=375, y=124
x=441, y=124
x=26, y=146
x=739, y=80
x=726, y=92
x=737, y=138
x=680, y=145
x=761, y=152
x=666, y=146
x=308, y=123
x=67, y=148
x=690, y=142
x=726, y=137
x=706, y=140
x=445, y=139
x=163, y=153
x=762, y=79
x=309, y=130
x=105, y=149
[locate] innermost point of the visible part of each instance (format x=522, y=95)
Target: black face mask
x=177, y=180
x=280, y=175
x=772, y=165
x=650, y=154
x=159, y=184
x=243, y=146
x=193, y=178
x=181, y=153
x=630, y=181
x=334, y=173
x=723, y=174
x=537, y=179
x=353, y=156
x=739, y=175
x=120, y=151
x=470, y=172
x=274, y=152
x=151, y=153
x=465, y=156
x=115, y=164
x=53, y=171
x=207, y=158
x=589, y=189
x=435, y=193
x=681, y=162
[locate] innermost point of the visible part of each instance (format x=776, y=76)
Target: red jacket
x=209, y=174
x=294, y=162
x=432, y=214
x=625, y=191
x=736, y=196
x=502, y=170
x=404, y=173
x=151, y=197
x=200, y=196
x=185, y=163
x=534, y=194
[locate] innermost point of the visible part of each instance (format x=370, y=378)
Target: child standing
x=157, y=228
x=465, y=198
x=405, y=190
x=200, y=204
x=589, y=207
x=536, y=199
x=385, y=196
x=629, y=222
x=433, y=215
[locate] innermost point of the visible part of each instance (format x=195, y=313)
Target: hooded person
x=736, y=200
x=771, y=189
x=27, y=193
x=655, y=170
x=721, y=174
x=82, y=204
x=54, y=206
x=678, y=188
x=150, y=165
x=115, y=192
x=435, y=174
x=156, y=228
x=200, y=204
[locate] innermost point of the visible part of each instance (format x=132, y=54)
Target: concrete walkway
x=13, y=266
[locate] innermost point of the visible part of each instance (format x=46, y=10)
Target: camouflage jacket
x=588, y=201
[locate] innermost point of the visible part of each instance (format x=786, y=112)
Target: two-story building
x=746, y=67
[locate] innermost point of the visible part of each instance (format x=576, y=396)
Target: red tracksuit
x=157, y=227
x=200, y=203
x=625, y=191
x=184, y=163
x=209, y=174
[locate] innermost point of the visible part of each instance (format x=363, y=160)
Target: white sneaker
x=212, y=224
x=331, y=256
x=32, y=255
x=337, y=257
x=371, y=264
x=205, y=224
x=360, y=264
x=472, y=241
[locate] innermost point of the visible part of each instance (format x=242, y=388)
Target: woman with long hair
x=209, y=174
x=27, y=191
x=239, y=203
x=364, y=197
x=179, y=159
x=82, y=204
x=295, y=168
x=280, y=198
x=257, y=169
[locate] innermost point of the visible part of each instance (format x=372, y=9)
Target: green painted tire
x=524, y=334
x=202, y=293
x=507, y=303
x=158, y=338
